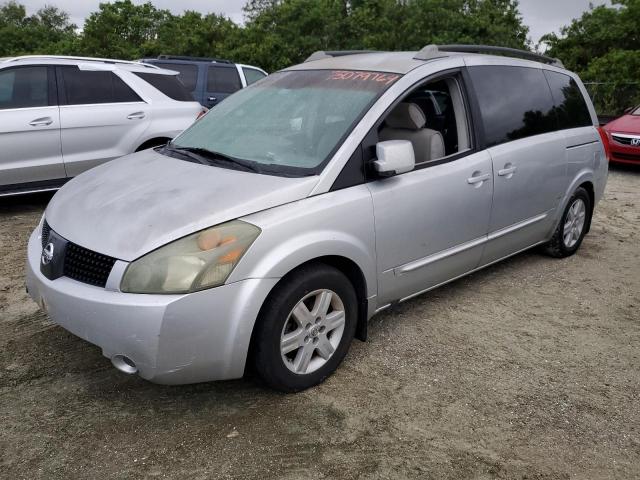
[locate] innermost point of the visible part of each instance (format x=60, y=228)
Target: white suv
x=60, y=116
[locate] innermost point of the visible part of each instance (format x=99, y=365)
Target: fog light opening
x=124, y=364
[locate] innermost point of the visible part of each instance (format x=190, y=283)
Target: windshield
x=636, y=111
x=288, y=123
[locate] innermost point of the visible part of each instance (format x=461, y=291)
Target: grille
x=45, y=233
x=87, y=266
x=623, y=140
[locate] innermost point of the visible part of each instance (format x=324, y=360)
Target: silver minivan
x=267, y=234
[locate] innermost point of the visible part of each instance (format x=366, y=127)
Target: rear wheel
x=572, y=227
x=305, y=329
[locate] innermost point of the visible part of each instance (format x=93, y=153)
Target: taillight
x=605, y=142
x=202, y=113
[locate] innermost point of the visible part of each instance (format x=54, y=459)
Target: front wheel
x=305, y=328
x=572, y=227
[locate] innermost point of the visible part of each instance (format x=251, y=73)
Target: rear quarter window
x=571, y=108
x=223, y=80
x=515, y=102
x=170, y=85
x=188, y=73
x=252, y=75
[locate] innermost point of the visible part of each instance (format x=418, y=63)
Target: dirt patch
x=527, y=370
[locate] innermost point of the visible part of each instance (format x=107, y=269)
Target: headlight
x=202, y=260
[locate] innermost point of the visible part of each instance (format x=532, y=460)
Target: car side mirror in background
x=394, y=157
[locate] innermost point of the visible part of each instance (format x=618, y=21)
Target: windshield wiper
x=185, y=153
x=209, y=157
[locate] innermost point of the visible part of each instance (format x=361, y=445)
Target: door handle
x=477, y=179
x=507, y=171
x=212, y=99
x=41, y=122
x=136, y=116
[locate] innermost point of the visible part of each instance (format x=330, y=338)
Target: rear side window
x=515, y=102
x=167, y=84
x=252, y=75
x=188, y=73
x=571, y=109
x=83, y=87
x=24, y=87
x=223, y=80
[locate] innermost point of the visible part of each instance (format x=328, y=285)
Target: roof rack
x=320, y=54
x=186, y=57
x=84, y=59
x=430, y=52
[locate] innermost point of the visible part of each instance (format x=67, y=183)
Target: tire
x=562, y=244
x=292, y=349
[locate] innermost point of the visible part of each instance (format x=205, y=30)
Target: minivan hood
x=130, y=206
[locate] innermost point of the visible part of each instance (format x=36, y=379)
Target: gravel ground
x=529, y=369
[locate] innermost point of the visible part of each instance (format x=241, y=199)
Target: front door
x=29, y=127
x=431, y=224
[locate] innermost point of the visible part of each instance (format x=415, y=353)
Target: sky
x=545, y=16
x=542, y=16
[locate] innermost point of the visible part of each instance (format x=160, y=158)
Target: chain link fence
x=611, y=99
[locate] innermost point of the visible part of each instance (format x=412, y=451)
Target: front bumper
x=624, y=154
x=172, y=339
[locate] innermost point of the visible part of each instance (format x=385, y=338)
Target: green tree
x=603, y=46
x=277, y=33
x=195, y=34
x=123, y=30
x=480, y=22
x=47, y=31
x=281, y=32
x=613, y=81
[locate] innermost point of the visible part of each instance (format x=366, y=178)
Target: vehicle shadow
x=27, y=202
x=625, y=168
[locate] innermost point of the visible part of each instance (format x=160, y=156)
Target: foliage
x=603, y=46
x=194, y=34
x=279, y=33
x=615, y=81
x=49, y=29
x=122, y=30
x=276, y=34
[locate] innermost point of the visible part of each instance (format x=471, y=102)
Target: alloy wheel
x=574, y=223
x=312, y=331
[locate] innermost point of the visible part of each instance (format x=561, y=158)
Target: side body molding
x=423, y=262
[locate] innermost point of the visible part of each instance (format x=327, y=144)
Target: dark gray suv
x=210, y=80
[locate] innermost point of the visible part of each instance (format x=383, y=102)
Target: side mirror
x=394, y=157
